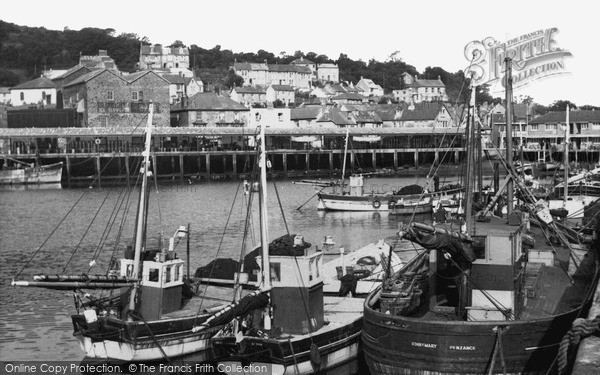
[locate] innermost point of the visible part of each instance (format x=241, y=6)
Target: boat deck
x=210, y=298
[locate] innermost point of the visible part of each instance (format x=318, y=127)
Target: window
x=43, y=95
x=177, y=273
x=280, y=116
x=135, y=96
x=167, y=274
x=22, y=95
x=103, y=121
x=110, y=95
x=153, y=275
x=584, y=126
x=275, y=272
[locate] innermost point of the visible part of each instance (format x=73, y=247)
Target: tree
x=233, y=80
x=8, y=78
x=176, y=44
x=561, y=105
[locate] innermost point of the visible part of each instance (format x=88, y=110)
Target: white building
x=38, y=91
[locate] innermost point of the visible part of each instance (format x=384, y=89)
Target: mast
x=264, y=241
x=509, y=145
x=142, y=212
x=566, y=160
x=345, y=153
x=470, y=145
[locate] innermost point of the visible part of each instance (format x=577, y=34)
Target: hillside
x=26, y=51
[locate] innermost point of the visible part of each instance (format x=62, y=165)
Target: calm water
x=35, y=323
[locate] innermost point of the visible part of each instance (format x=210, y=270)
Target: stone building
x=105, y=98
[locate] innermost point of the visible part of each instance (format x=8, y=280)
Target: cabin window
x=168, y=274
x=177, y=273
x=153, y=275
x=280, y=117
x=479, y=247
x=275, y=271
x=310, y=269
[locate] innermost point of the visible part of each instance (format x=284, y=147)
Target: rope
x=48, y=238
x=498, y=349
x=580, y=329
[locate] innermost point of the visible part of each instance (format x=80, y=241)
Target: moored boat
x=25, y=173
x=149, y=309
x=300, y=330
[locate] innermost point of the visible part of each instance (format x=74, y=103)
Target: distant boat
x=26, y=173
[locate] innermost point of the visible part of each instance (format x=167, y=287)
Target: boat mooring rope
x=580, y=329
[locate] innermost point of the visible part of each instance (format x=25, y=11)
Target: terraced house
x=263, y=74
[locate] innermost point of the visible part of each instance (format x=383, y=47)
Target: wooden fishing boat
x=26, y=173
x=497, y=296
x=151, y=314
x=300, y=330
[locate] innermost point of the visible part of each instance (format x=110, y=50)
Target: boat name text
x=462, y=347
x=424, y=345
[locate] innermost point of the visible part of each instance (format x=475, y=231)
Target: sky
x=425, y=33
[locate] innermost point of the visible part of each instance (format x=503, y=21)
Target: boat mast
x=566, y=160
x=142, y=212
x=264, y=242
x=470, y=145
x=345, y=153
x=509, y=140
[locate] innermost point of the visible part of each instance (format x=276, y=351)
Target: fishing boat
x=31, y=173
x=356, y=271
x=300, y=330
x=150, y=313
x=497, y=295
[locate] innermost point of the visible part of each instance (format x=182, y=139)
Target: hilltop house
x=369, y=88
x=181, y=86
x=418, y=90
x=105, y=98
x=263, y=74
x=328, y=72
x=40, y=91
x=159, y=57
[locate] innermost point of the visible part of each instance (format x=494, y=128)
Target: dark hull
x=403, y=345
x=336, y=348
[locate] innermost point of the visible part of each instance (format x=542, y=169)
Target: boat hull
x=403, y=345
x=115, y=340
x=337, y=349
x=46, y=174
x=400, y=205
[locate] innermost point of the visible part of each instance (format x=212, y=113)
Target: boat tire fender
x=376, y=203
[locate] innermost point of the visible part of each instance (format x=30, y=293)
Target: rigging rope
x=49, y=236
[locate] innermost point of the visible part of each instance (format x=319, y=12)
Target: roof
x=4, y=90
x=426, y=83
x=249, y=90
x=137, y=75
x=272, y=67
x=336, y=116
x=91, y=75
x=177, y=131
x=348, y=96
x=209, y=101
x=71, y=71
x=175, y=78
x=38, y=83
x=422, y=111
x=367, y=116
x=282, y=87
x=305, y=113
x=302, y=60
x=581, y=116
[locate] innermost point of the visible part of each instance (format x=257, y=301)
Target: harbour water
x=35, y=323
